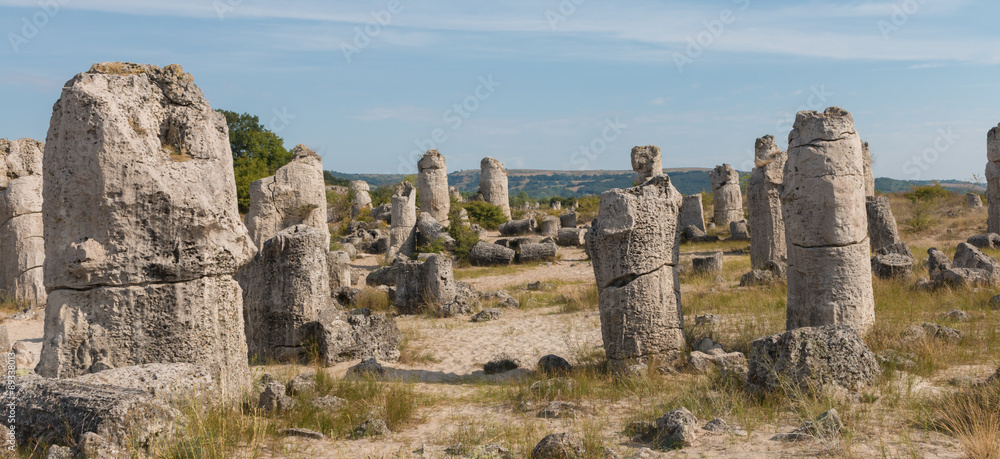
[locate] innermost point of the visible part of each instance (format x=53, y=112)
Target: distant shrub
x=485, y=214
x=382, y=194
x=926, y=193
x=465, y=238
x=433, y=246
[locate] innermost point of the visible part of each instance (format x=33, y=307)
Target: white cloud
x=409, y=114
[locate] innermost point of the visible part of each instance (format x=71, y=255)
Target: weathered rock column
x=823, y=201
x=634, y=244
x=993, y=179
x=692, y=212
x=432, y=183
x=362, y=196
x=973, y=201
x=455, y=194
x=284, y=287
x=402, y=234
x=882, y=228
x=869, y=175
x=142, y=231
x=647, y=163
x=493, y=184
x=22, y=249
x=767, y=225
x=294, y=195
x=727, y=198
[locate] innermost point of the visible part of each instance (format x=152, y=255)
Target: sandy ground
x=29, y=332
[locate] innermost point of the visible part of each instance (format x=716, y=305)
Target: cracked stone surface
x=142, y=229
x=634, y=244
x=432, y=184
x=767, y=224
x=493, y=184
x=294, y=195
x=826, y=227
x=647, y=163
x=22, y=248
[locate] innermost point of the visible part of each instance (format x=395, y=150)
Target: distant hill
x=542, y=184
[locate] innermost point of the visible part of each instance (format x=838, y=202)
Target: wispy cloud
x=408, y=114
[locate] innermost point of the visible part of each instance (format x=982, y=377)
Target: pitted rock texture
x=142, y=231
x=294, y=195
x=727, y=198
x=767, y=224
x=22, y=248
x=403, y=233
x=493, y=184
x=284, y=287
x=826, y=227
x=634, y=244
x=647, y=163
x=432, y=184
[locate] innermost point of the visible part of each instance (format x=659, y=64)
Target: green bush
x=485, y=214
x=926, y=193
x=382, y=195
x=465, y=238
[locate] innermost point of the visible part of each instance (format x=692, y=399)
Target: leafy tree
x=257, y=153
x=331, y=180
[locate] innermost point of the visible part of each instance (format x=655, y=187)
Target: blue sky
x=570, y=84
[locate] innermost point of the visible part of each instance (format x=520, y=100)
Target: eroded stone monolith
x=826, y=228
x=727, y=198
x=22, y=248
x=646, y=162
x=882, y=228
x=692, y=212
x=432, y=186
x=869, y=175
x=142, y=230
x=767, y=225
x=402, y=233
x=294, y=195
x=993, y=179
x=493, y=184
x=285, y=286
x=362, y=196
x=634, y=244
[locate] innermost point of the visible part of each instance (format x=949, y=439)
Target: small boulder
x=826, y=427
x=303, y=433
x=487, y=315
x=553, y=364
x=708, y=264
x=720, y=426
x=559, y=446
x=367, y=367
x=274, y=399
x=370, y=428
x=677, y=428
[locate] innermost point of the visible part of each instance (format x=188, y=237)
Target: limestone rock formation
x=882, y=227
x=402, y=234
x=536, y=251
x=826, y=228
x=22, y=249
x=342, y=336
x=294, y=195
x=142, y=231
x=362, y=196
x=647, y=163
x=993, y=179
x=428, y=284
x=493, y=184
x=634, y=244
x=59, y=411
x=568, y=220
x=708, y=264
x=692, y=213
x=869, y=175
x=518, y=227
x=812, y=358
x=456, y=194
x=430, y=231
x=738, y=231
x=764, y=204
x=432, y=186
x=727, y=198
x=338, y=264
x=549, y=226
x=284, y=287
x=973, y=201
x=571, y=237
x=486, y=254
